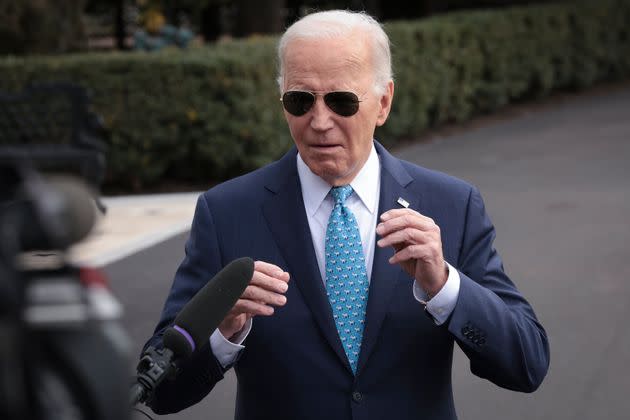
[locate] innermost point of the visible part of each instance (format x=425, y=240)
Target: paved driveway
x=556, y=182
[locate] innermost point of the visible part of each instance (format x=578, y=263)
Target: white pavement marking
x=134, y=223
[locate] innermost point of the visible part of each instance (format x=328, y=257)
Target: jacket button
x=357, y=397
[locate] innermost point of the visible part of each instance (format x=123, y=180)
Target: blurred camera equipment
x=63, y=352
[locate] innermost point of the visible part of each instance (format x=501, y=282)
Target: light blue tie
x=346, y=276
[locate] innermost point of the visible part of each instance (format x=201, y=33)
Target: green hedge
x=174, y=116
x=452, y=67
x=207, y=114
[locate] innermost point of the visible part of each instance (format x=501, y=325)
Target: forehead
x=327, y=64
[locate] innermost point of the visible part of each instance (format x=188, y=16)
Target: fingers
x=270, y=269
x=417, y=242
x=425, y=252
x=269, y=277
x=406, y=226
x=258, y=294
x=265, y=290
x=250, y=308
x=408, y=236
x=397, y=219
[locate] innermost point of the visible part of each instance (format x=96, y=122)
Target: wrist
x=229, y=333
x=433, y=289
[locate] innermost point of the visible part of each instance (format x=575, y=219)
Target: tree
x=41, y=26
x=258, y=16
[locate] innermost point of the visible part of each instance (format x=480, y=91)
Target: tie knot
x=340, y=194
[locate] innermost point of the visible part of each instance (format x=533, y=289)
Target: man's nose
x=321, y=115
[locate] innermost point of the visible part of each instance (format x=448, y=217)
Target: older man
x=368, y=268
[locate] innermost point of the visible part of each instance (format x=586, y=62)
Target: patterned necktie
x=346, y=276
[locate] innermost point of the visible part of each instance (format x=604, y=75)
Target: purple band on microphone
x=186, y=335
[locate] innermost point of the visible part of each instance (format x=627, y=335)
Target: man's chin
x=333, y=175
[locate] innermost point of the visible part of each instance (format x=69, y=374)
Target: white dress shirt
x=363, y=203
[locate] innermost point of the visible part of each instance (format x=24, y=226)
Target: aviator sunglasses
x=299, y=102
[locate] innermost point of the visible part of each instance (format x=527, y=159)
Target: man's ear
x=385, y=104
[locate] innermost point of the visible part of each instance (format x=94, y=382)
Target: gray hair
x=335, y=23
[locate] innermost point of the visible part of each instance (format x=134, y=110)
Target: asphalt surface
x=556, y=182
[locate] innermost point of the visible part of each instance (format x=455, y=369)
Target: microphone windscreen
x=205, y=311
x=61, y=214
x=78, y=215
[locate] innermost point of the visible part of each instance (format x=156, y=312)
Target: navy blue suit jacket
x=293, y=365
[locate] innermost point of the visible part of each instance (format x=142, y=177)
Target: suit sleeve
x=197, y=375
x=492, y=322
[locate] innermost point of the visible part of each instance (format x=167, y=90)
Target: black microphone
x=192, y=327
x=205, y=311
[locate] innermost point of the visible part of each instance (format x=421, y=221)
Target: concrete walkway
x=134, y=223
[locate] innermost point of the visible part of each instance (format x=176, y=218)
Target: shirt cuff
x=225, y=350
x=443, y=303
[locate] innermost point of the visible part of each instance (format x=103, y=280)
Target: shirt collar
x=365, y=184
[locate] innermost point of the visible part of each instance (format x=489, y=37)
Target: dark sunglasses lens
x=345, y=104
x=297, y=103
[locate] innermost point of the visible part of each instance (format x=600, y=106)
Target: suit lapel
x=288, y=223
x=394, y=179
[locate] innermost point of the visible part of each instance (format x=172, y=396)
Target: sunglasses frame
x=314, y=95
